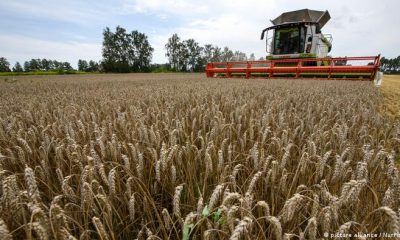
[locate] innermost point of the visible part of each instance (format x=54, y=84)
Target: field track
x=391, y=92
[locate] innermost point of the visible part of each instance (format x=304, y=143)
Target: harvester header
x=297, y=48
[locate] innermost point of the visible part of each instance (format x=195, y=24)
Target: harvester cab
x=298, y=49
x=298, y=34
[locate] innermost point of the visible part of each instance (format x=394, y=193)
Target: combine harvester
x=298, y=49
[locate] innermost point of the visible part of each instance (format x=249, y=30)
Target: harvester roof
x=304, y=15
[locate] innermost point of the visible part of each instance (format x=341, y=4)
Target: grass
x=40, y=73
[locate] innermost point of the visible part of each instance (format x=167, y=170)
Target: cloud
x=225, y=30
x=165, y=7
x=21, y=48
x=78, y=12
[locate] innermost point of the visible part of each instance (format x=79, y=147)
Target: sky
x=68, y=30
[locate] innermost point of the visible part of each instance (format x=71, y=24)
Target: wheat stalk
x=32, y=185
x=241, y=229
x=100, y=228
x=177, y=201
x=4, y=232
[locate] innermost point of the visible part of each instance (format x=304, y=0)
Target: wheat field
x=179, y=156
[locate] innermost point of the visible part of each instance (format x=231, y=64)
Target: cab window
x=288, y=40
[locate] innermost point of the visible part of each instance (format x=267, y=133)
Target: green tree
x=93, y=66
x=216, y=54
x=207, y=53
x=4, y=65
x=183, y=56
x=17, y=67
x=397, y=64
x=125, y=52
x=252, y=57
x=114, y=44
x=384, y=64
x=56, y=65
x=27, y=66
x=142, y=50
x=83, y=65
x=173, y=51
x=194, y=55
x=226, y=55
x=390, y=65
x=186, y=55
x=67, y=66
x=45, y=64
x=35, y=65
x=239, y=56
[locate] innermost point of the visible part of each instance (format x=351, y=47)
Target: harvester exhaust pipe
x=263, y=33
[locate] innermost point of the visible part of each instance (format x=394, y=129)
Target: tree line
x=188, y=55
x=91, y=66
x=44, y=65
x=391, y=65
x=47, y=65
